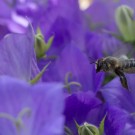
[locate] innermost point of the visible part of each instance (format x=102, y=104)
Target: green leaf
x=101, y=126
x=39, y=75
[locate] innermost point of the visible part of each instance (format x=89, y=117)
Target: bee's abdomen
x=129, y=63
x=129, y=66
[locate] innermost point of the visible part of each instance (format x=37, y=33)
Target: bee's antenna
x=92, y=60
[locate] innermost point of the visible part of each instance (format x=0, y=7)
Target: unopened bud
x=41, y=47
x=125, y=22
x=87, y=129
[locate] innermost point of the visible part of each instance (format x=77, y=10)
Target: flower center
x=17, y=121
x=68, y=84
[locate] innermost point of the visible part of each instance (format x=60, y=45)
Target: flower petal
x=78, y=106
x=115, y=121
x=45, y=115
x=17, y=55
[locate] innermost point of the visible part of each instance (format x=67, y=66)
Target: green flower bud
x=41, y=47
x=87, y=129
x=125, y=22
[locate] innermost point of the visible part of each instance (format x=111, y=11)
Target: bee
x=119, y=66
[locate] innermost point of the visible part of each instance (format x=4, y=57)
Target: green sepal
x=67, y=131
x=39, y=75
x=125, y=22
x=41, y=47
x=49, y=43
x=101, y=126
x=77, y=126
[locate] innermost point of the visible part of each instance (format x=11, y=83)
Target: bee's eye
x=98, y=66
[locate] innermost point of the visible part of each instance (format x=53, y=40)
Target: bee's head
x=102, y=65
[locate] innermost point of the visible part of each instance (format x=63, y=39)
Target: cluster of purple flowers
x=47, y=84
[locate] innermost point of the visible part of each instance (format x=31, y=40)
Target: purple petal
x=17, y=54
x=9, y=17
x=63, y=20
x=115, y=94
x=45, y=115
x=3, y=31
x=76, y=62
x=6, y=10
x=50, y=110
x=129, y=129
x=105, y=9
x=78, y=106
x=115, y=121
x=109, y=45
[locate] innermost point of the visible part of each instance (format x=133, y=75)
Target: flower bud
x=125, y=22
x=87, y=129
x=41, y=47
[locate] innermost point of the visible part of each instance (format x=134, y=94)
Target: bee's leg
x=122, y=78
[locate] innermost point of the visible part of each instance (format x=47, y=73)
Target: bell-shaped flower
x=30, y=109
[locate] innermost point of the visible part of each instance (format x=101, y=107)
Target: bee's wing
x=123, y=57
x=122, y=52
x=117, y=50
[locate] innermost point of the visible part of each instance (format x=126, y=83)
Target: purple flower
x=73, y=65
x=30, y=110
x=49, y=15
x=78, y=106
x=17, y=56
x=73, y=60
x=86, y=107
x=26, y=109
x=65, y=21
x=115, y=95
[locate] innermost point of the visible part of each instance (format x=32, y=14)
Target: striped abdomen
x=128, y=65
